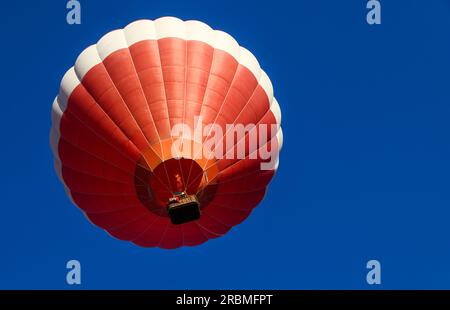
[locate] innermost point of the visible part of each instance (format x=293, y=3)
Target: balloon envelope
x=114, y=143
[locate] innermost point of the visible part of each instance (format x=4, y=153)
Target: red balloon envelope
x=135, y=117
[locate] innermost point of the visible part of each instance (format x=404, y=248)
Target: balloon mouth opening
x=172, y=189
x=160, y=177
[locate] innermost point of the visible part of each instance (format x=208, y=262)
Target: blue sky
x=364, y=173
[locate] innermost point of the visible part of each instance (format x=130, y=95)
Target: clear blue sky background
x=364, y=174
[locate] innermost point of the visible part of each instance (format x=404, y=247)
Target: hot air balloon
x=113, y=134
